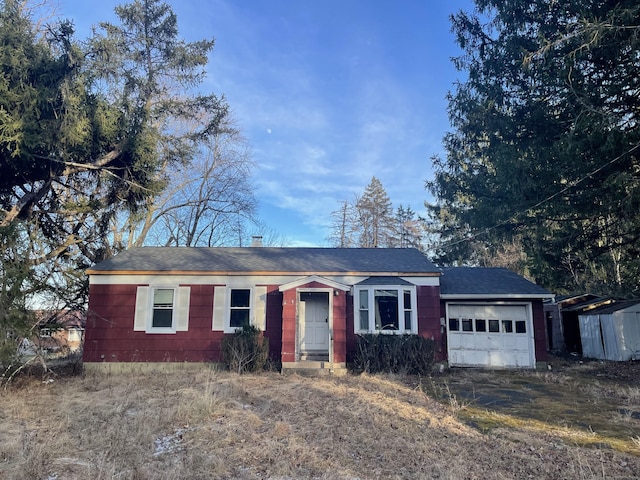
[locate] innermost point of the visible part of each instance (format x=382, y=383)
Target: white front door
x=314, y=322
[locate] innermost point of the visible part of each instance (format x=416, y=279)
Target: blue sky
x=328, y=94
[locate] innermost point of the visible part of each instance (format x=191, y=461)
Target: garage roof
x=405, y=261
x=481, y=282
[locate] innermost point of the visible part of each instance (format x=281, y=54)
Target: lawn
x=211, y=424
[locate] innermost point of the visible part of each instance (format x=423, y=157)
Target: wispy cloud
x=327, y=93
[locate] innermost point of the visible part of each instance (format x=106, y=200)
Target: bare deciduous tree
x=207, y=203
x=343, y=222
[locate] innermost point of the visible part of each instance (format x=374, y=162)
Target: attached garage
x=493, y=318
x=490, y=335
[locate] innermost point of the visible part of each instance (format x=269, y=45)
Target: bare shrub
x=247, y=350
x=411, y=354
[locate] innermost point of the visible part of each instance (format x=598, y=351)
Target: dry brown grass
x=209, y=424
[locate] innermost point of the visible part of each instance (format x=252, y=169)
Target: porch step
x=317, y=357
x=313, y=368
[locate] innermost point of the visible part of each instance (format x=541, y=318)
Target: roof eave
x=494, y=296
x=253, y=273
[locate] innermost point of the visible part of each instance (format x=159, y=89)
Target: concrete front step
x=314, y=357
x=313, y=368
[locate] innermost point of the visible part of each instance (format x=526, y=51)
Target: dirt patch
x=211, y=424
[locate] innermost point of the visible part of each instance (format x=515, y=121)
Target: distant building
x=60, y=332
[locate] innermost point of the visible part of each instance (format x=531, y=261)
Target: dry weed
x=207, y=424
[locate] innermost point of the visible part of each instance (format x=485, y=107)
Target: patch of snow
x=170, y=443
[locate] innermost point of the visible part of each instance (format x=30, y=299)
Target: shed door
x=490, y=335
x=314, y=322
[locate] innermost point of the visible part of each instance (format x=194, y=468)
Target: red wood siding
x=340, y=327
x=274, y=321
x=289, y=326
x=539, y=331
x=110, y=337
x=429, y=318
x=351, y=336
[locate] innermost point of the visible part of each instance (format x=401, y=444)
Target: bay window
x=385, y=309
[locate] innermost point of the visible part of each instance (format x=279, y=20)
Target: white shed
x=611, y=332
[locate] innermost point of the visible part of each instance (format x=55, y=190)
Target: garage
x=490, y=335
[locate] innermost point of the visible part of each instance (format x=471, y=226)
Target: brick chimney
x=256, y=241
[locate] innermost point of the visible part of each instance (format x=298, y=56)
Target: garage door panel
x=456, y=358
x=469, y=357
x=494, y=342
x=494, y=349
x=467, y=341
x=509, y=342
x=522, y=342
x=495, y=359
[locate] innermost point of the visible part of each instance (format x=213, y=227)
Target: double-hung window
x=162, y=309
x=385, y=309
x=239, y=307
x=163, y=306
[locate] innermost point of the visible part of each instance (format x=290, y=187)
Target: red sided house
x=175, y=304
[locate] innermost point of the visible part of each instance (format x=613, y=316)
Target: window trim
x=221, y=307
x=174, y=314
x=400, y=289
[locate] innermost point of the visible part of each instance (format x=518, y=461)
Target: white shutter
x=182, y=309
x=260, y=307
x=219, y=298
x=142, y=309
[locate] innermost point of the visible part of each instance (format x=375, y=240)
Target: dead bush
x=247, y=350
x=410, y=354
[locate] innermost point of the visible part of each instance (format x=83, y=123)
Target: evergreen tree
x=544, y=148
x=89, y=135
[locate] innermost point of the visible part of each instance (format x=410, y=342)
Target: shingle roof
x=384, y=281
x=481, y=281
x=267, y=259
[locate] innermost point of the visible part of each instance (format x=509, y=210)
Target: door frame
x=329, y=292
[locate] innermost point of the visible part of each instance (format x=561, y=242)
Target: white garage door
x=490, y=335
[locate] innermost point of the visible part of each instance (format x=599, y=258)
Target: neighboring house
x=175, y=304
x=60, y=332
x=611, y=332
